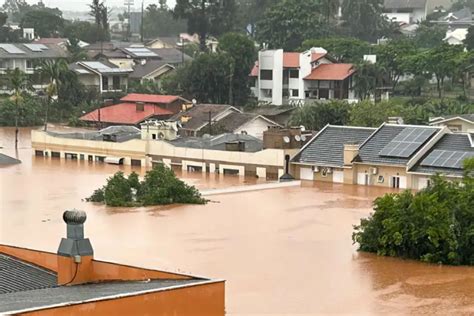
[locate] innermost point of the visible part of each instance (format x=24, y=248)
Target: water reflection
x=285, y=251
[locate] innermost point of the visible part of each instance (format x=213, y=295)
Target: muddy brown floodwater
x=286, y=251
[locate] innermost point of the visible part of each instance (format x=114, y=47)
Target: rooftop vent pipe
x=75, y=244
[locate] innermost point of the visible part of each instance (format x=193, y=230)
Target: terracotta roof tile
x=149, y=98
x=331, y=72
x=125, y=113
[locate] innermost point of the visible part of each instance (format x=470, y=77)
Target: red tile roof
x=331, y=72
x=50, y=40
x=254, y=71
x=125, y=113
x=149, y=98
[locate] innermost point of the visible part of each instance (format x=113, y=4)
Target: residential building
x=393, y=155
x=26, y=57
x=61, y=42
x=245, y=123
x=201, y=115
x=102, y=75
x=456, y=123
x=235, y=154
x=406, y=11
x=7, y=160
x=164, y=42
x=457, y=19
x=152, y=71
x=456, y=36
x=135, y=109
x=72, y=282
x=278, y=114
x=282, y=78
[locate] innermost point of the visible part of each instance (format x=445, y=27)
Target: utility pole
x=129, y=3
x=210, y=122
x=141, y=25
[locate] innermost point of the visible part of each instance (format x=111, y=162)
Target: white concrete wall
x=255, y=128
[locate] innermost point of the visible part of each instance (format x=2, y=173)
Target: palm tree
x=54, y=70
x=18, y=82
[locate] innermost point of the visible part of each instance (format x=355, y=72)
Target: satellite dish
x=298, y=138
x=286, y=139
x=303, y=138
x=302, y=128
x=194, y=101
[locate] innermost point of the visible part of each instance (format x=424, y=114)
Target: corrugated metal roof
x=327, y=148
x=18, y=276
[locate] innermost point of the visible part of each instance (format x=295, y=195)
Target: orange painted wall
x=199, y=300
x=100, y=270
x=43, y=259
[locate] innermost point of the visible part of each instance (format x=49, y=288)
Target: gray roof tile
x=370, y=151
x=199, y=115
x=450, y=142
x=327, y=148
x=53, y=51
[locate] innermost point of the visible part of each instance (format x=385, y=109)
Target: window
x=3, y=64
x=380, y=179
x=294, y=73
x=266, y=93
x=285, y=93
x=266, y=74
x=29, y=64
x=395, y=182
x=105, y=83
x=116, y=82
x=295, y=92
x=153, y=136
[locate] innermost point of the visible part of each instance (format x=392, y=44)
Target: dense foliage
x=159, y=187
x=434, y=225
x=367, y=113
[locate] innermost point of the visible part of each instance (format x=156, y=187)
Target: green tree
x=205, y=79
x=316, y=116
x=429, y=36
x=76, y=52
x=207, y=17
x=18, y=82
x=289, y=22
x=370, y=114
x=45, y=23
x=433, y=225
x=250, y=12
x=364, y=19
x=54, y=71
x=368, y=78
x=160, y=22
x=329, y=9
x=469, y=40
x=343, y=49
x=100, y=12
x=3, y=18
x=243, y=53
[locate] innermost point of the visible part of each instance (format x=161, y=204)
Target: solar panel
x=141, y=52
x=407, y=142
x=11, y=49
x=446, y=159
x=36, y=47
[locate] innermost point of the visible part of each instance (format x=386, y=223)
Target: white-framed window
x=295, y=92
x=3, y=64
x=30, y=64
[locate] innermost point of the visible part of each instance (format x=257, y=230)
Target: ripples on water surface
x=284, y=251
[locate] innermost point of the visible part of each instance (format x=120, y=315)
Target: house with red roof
x=282, y=78
x=136, y=108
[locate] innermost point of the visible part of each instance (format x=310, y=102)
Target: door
x=338, y=177
x=395, y=182
x=306, y=174
x=362, y=178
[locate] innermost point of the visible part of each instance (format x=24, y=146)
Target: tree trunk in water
x=46, y=115
x=16, y=125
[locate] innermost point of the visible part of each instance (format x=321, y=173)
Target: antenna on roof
x=302, y=128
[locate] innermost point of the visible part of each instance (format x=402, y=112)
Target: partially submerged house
x=394, y=155
x=290, y=78
x=72, y=282
x=152, y=71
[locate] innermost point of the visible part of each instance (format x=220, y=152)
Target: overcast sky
x=81, y=5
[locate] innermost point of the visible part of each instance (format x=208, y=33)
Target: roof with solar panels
x=30, y=51
x=447, y=155
x=394, y=144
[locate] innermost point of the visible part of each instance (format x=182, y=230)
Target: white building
x=293, y=78
x=406, y=11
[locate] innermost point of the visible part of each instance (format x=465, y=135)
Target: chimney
x=287, y=177
x=140, y=106
x=75, y=252
x=350, y=152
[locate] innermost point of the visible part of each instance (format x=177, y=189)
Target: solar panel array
x=407, y=142
x=11, y=49
x=141, y=52
x=446, y=159
x=36, y=47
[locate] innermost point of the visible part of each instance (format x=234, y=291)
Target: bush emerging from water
x=433, y=225
x=159, y=187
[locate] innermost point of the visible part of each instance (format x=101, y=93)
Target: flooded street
x=285, y=251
